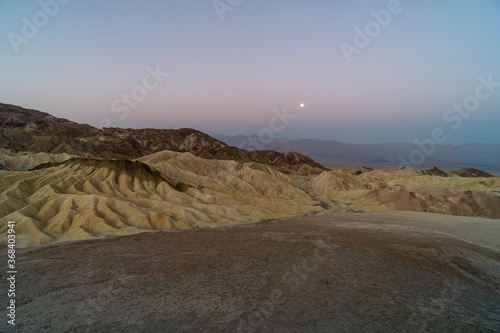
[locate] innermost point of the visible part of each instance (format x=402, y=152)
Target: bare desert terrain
x=81, y=198
x=359, y=272
x=128, y=230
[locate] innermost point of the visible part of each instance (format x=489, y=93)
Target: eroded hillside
x=88, y=198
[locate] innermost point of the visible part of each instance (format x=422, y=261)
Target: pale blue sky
x=225, y=77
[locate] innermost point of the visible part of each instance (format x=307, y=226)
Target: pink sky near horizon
x=225, y=77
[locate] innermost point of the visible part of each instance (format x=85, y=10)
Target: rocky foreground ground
x=362, y=272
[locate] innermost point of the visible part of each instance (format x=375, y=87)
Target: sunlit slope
x=82, y=199
x=406, y=190
x=27, y=160
x=88, y=198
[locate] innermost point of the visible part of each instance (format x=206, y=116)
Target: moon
x=301, y=105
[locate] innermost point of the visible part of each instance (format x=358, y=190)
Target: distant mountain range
x=24, y=130
x=389, y=155
x=39, y=132
x=60, y=181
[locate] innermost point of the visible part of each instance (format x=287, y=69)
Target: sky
x=366, y=71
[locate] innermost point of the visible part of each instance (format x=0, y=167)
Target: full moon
x=302, y=105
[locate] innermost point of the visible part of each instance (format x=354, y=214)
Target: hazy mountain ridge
x=477, y=155
x=63, y=181
x=39, y=132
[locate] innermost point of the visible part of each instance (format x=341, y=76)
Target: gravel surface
x=367, y=272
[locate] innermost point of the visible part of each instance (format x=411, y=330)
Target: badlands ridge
x=74, y=198
x=63, y=181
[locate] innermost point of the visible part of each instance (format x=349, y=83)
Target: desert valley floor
x=364, y=272
x=159, y=230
